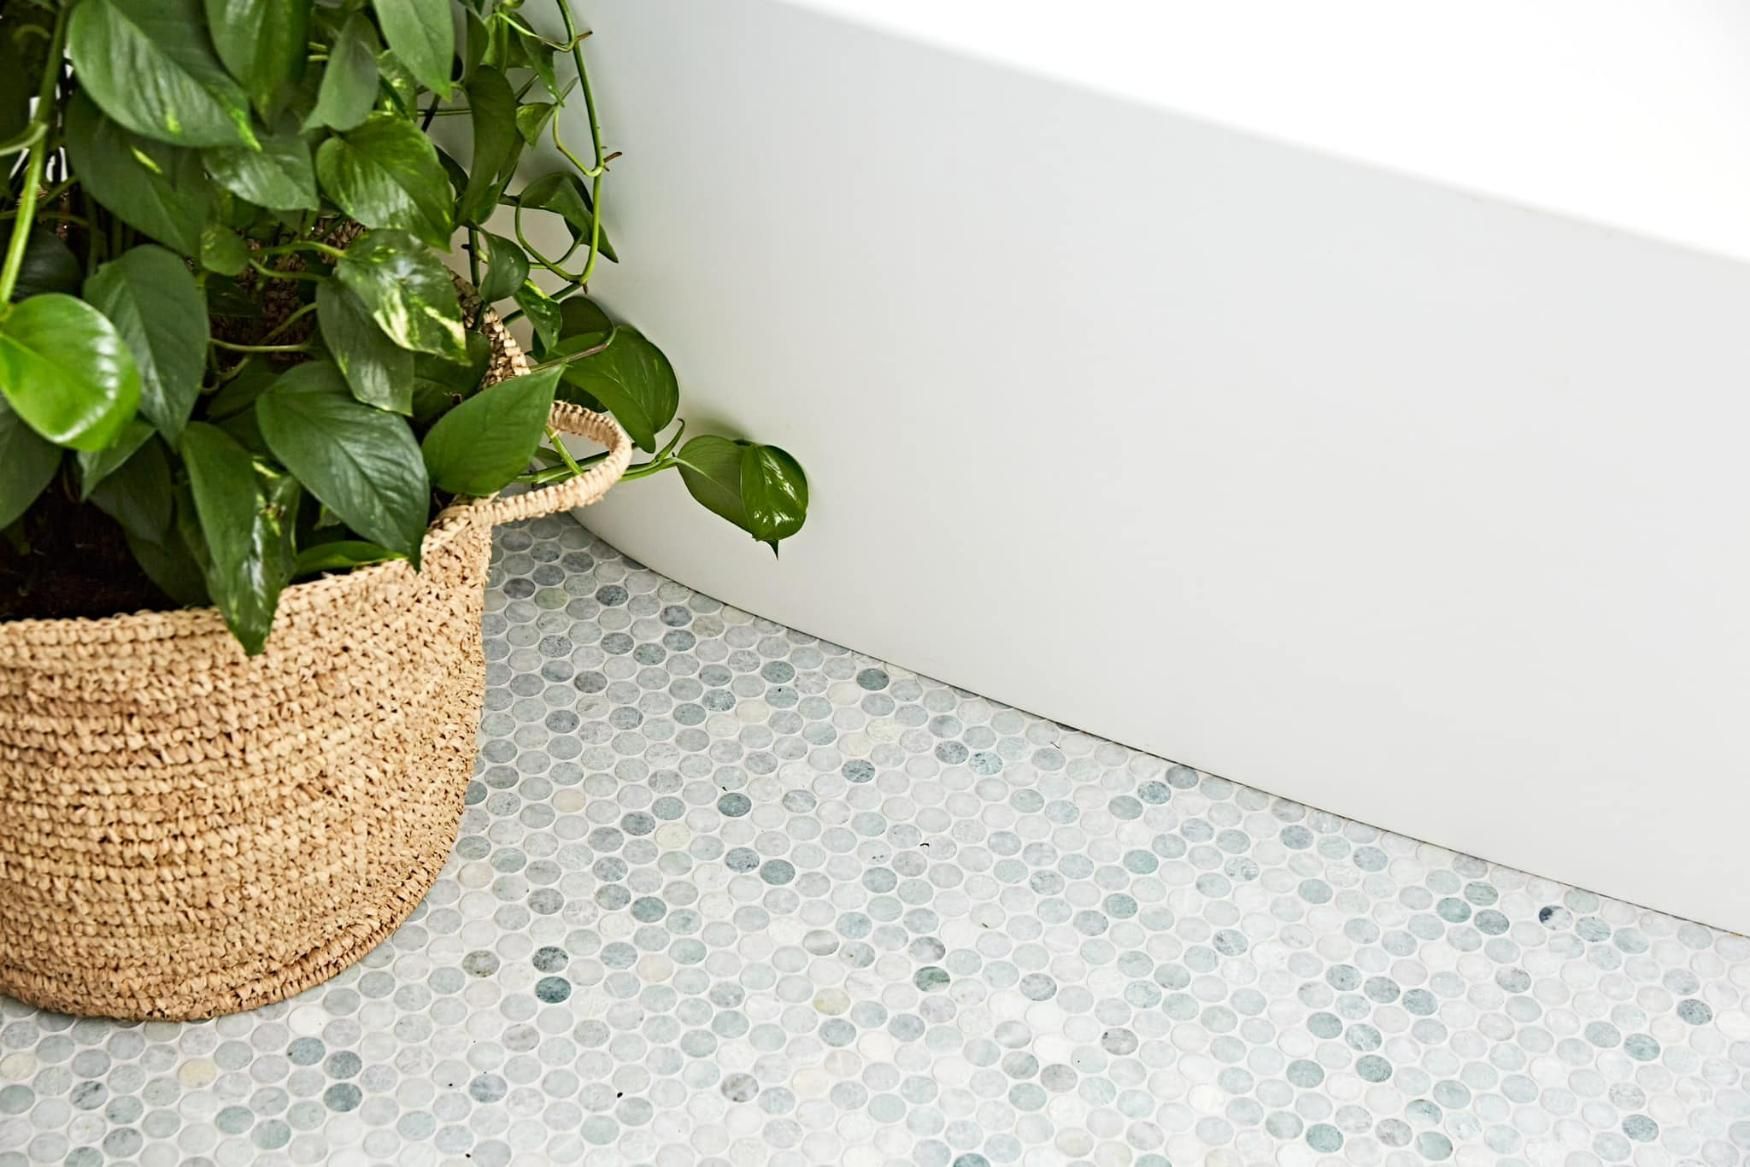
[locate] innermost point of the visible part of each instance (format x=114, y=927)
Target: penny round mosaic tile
x=727, y=895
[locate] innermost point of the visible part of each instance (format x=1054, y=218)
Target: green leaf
x=341, y=555
x=423, y=35
x=439, y=385
x=223, y=250
x=17, y=82
x=506, y=267
x=774, y=491
x=564, y=194
x=478, y=447
x=279, y=176
x=582, y=317
x=67, y=372
x=492, y=110
x=168, y=564
x=407, y=292
x=137, y=493
x=27, y=464
x=386, y=174
x=153, y=301
x=156, y=189
x=149, y=65
x=262, y=43
x=362, y=463
x=760, y=489
x=96, y=465
x=240, y=392
x=634, y=380
x=532, y=118
x=49, y=264
x=403, y=87
x=542, y=311
x=349, y=83
x=379, y=371
x=246, y=516
x=711, y=469
x=225, y=298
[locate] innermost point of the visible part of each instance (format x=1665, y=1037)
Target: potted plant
x=251, y=434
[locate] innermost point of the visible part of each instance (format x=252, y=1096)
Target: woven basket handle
x=573, y=492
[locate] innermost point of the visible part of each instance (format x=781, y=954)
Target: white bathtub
x=1374, y=438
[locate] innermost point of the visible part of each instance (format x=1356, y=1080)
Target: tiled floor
x=728, y=895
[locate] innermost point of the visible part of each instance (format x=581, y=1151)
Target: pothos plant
x=225, y=319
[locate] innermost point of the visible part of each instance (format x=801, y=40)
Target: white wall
x=1402, y=502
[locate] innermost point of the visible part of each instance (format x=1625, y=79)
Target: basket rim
x=156, y=624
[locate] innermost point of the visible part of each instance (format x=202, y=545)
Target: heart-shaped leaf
x=407, y=291
x=246, y=518
x=422, y=34
x=362, y=463
x=349, y=80
x=774, y=492
x=152, y=299
x=542, y=311
x=280, y=176
x=262, y=43
x=760, y=489
x=67, y=372
x=633, y=379
x=149, y=65
x=506, y=267
x=223, y=250
x=157, y=189
x=386, y=173
x=478, y=447
x=492, y=110
x=27, y=464
x=379, y=371
x=440, y=385
x=583, y=319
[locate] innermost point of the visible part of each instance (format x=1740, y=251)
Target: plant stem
x=275, y=274
x=287, y=322
x=558, y=444
x=576, y=356
x=646, y=469
x=593, y=173
x=33, y=166
x=332, y=252
x=259, y=348
x=474, y=255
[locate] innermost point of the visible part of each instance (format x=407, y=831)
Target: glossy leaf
x=478, y=447
x=377, y=370
x=506, y=267
x=531, y=120
x=633, y=379
x=137, y=493
x=774, y=494
x=341, y=555
x=168, y=564
x=261, y=42
x=246, y=518
x=407, y=292
x=423, y=35
x=153, y=301
x=349, y=80
x=542, y=311
x=362, y=463
x=223, y=250
x=49, y=264
x=564, y=194
x=150, y=65
x=67, y=372
x=711, y=469
x=156, y=189
x=279, y=176
x=97, y=465
x=386, y=173
x=492, y=111
x=27, y=464
x=402, y=85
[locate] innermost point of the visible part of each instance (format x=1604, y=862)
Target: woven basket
x=186, y=831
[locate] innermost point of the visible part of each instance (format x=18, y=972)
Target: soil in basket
x=65, y=560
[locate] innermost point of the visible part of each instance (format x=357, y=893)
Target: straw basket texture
x=186, y=831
